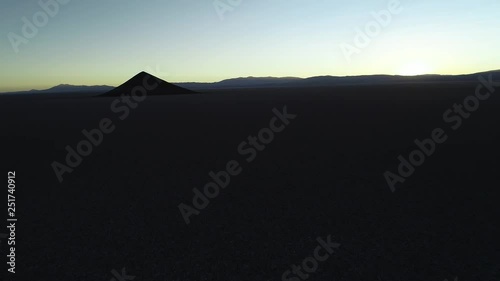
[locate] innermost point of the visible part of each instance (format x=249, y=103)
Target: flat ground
x=323, y=175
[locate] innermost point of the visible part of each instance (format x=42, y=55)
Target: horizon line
x=243, y=77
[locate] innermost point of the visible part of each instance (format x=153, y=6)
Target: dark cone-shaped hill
x=145, y=82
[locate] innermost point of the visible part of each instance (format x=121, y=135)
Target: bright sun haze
x=97, y=42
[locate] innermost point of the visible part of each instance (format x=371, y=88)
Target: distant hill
x=331, y=81
x=162, y=87
x=326, y=81
x=65, y=88
x=241, y=82
x=69, y=89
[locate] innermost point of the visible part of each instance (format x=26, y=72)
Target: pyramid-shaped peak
x=144, y=74
x=152, y=84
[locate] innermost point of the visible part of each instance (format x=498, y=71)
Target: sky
x=44, y=43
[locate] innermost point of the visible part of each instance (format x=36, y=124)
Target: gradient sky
x=94, y=42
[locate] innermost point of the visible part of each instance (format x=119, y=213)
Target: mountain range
x=274, y=82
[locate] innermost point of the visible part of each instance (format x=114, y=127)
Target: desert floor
x=322, y=175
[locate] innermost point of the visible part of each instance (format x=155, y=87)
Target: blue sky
x=107, y=41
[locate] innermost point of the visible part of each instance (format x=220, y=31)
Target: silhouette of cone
x=146, y=83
